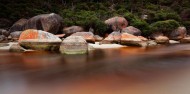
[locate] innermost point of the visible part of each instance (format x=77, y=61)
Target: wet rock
x=132, y=30
x=4, y=32
x=74, y=45
x=114, y=37
x=15, y=35
x=117, y=23
x=185, y=40
x=98, y=38
x=39, y=40
x=71, y=30
x=131, y=40
x=16, y=48
x=51, y=23
x=178, y=34
x=88, y=36
x=18, y=26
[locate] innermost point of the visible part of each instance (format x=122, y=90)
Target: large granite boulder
x=178, y=34
x=51, y=23
x=114, y=37
x=4, y=32
x=73, y=29
x=18, y=26
x=131, y=40
x=160, y=38
x=39, y=40
x=74, y=45
x=88, y=36
x=132, y=30
x=117, y=23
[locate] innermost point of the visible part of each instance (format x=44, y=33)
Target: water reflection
x=112, y=71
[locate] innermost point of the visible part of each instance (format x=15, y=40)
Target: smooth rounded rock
x=74, y=45
x=39, y=40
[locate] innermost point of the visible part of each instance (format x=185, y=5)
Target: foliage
x=164, y=26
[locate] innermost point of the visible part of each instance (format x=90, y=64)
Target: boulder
x=151, y=43
x=2, y=38
x=131, y=40
x=18, y=26
x=132, y=30
x=16, y=48
x=4, y=32
x=15, y=35
x=73, y=29
x=51, y=23
x=88, y=36
x=159, y=38
x=117, y=23
x=39, y=40
x=98, y=38
x=114, y=37
x=178, y=34
x=162, y=40
x=185, y=40
x=74, y=45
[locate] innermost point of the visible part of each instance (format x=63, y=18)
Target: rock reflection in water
x=163, y=70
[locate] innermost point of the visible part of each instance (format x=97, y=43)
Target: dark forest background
x=161, y=14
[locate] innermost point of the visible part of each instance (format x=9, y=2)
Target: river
x=130, y=70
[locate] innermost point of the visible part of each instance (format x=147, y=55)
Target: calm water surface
x=159, y=70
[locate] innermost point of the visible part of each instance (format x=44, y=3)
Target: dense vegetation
x=92, y=13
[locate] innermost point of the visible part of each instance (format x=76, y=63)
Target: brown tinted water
x=159, y=70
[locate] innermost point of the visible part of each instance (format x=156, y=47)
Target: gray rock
x=74, y=45
x=4, y=32
x=16, y=48
x=131, y=30
x=178, y=34
x=15, y=35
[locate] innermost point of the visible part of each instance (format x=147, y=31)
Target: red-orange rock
x=114, y=37
x=131, y=40
x=39, y=40
x=88, y=36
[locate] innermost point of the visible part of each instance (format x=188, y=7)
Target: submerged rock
x=132, y=30
x=74, y=45
x=39, y=40
x=88, y=36
x=131, y=40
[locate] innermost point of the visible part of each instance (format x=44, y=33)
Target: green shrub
x=164, y=26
